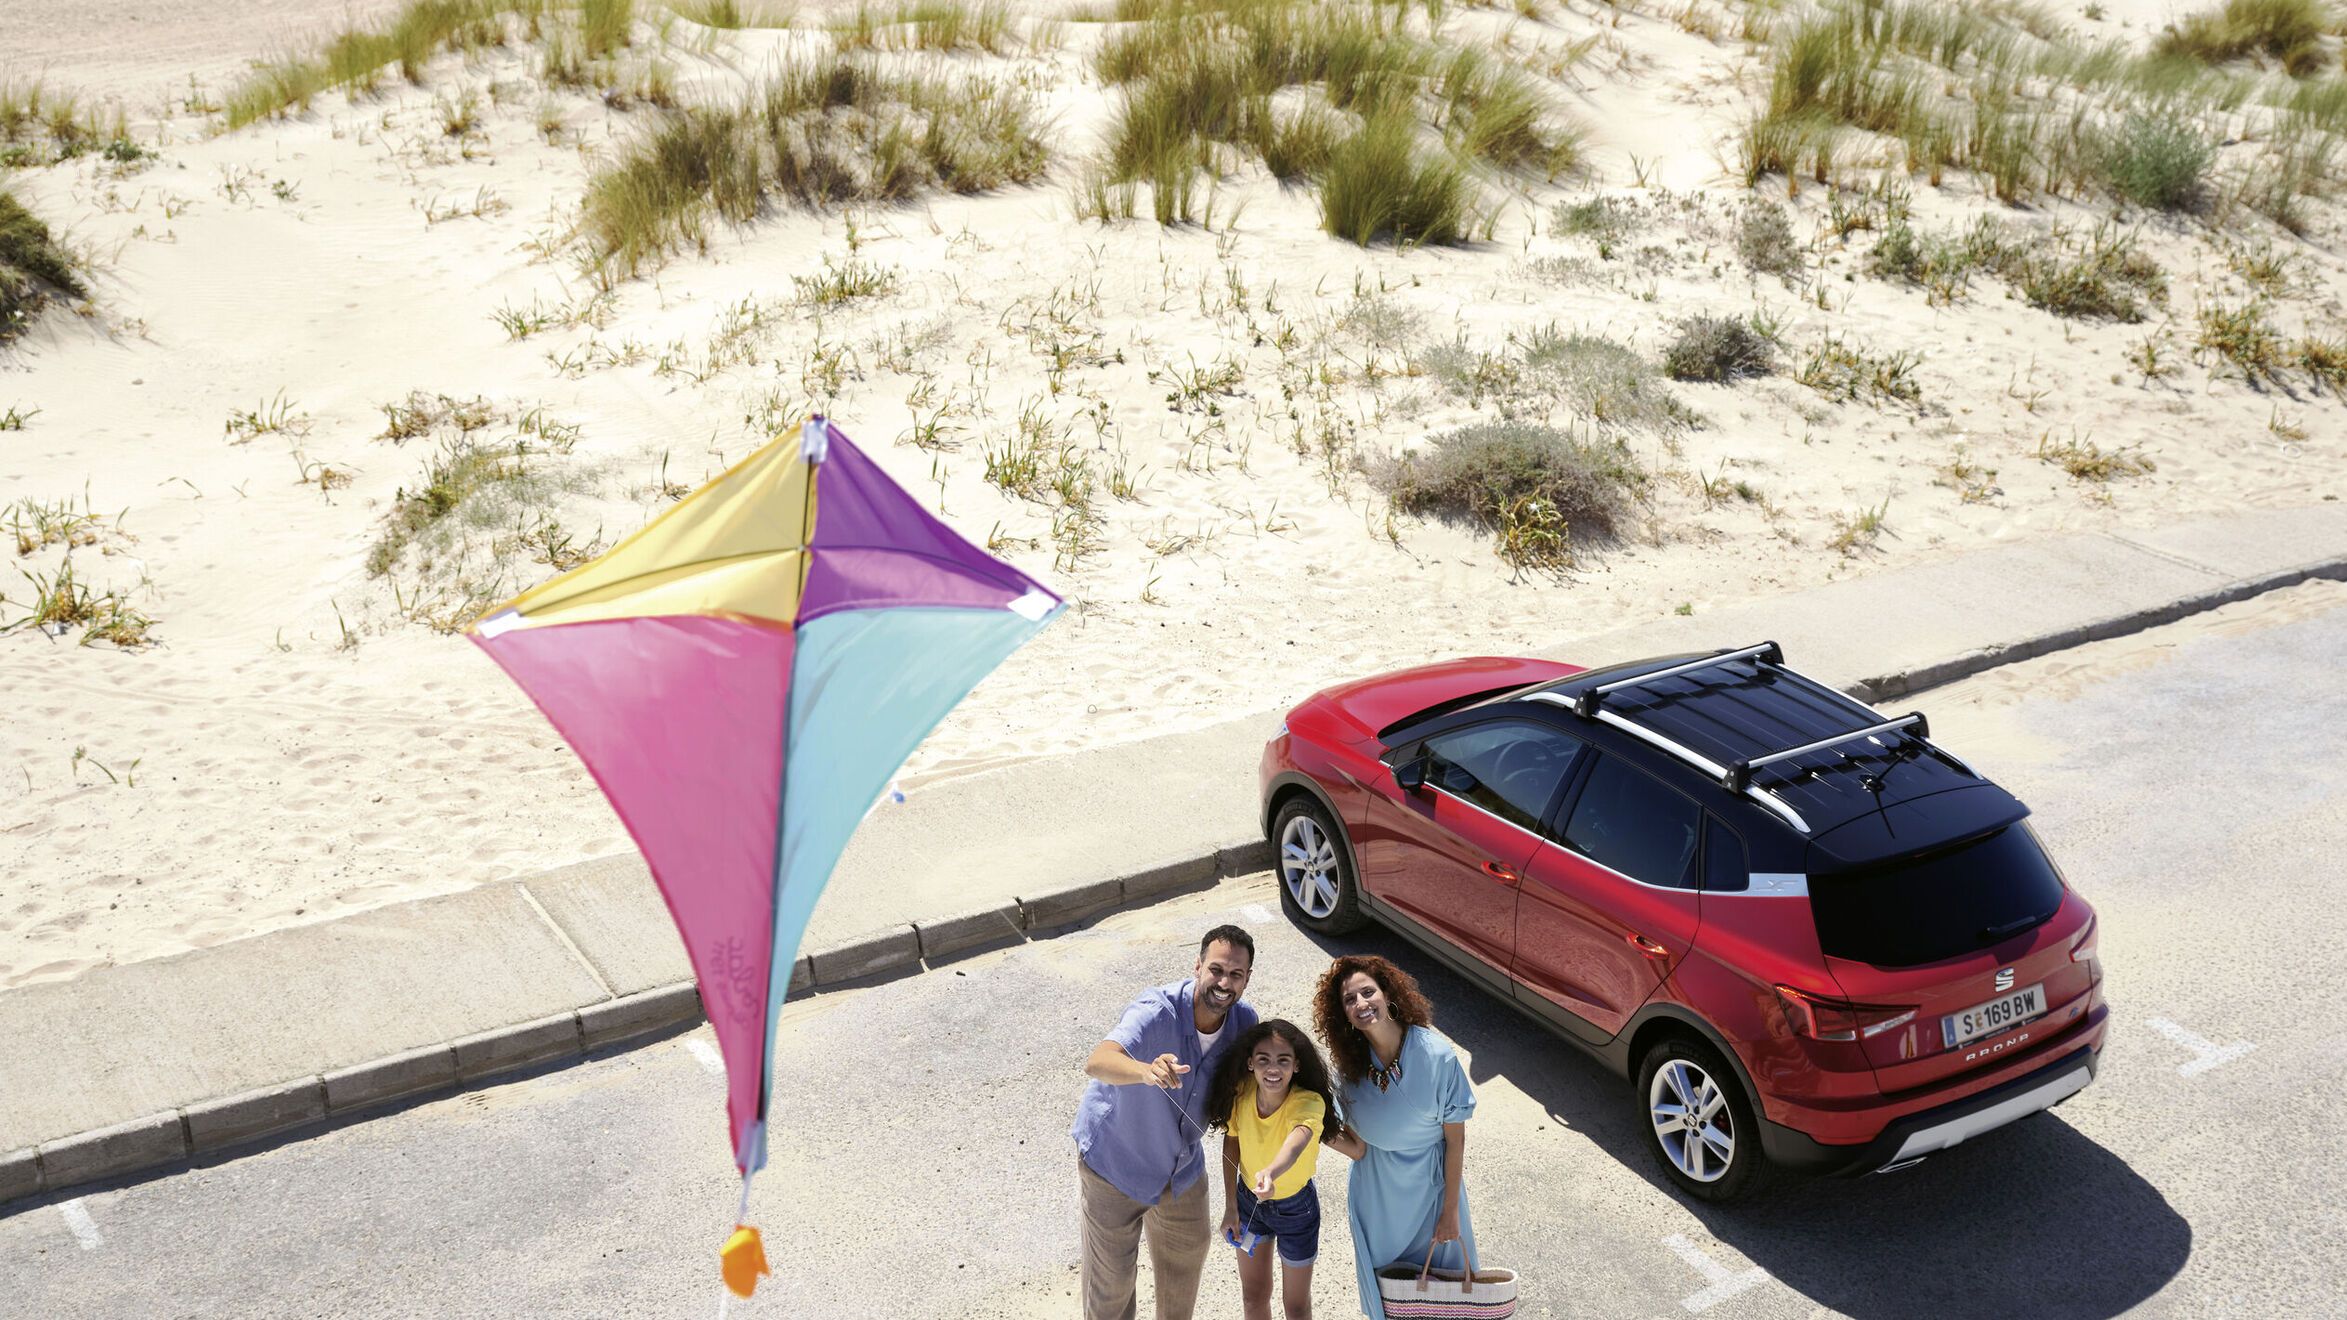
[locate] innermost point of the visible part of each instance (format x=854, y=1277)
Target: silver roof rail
x=1684, y=753
x=1586, y=704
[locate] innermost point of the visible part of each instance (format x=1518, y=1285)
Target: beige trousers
x=1178, y=1237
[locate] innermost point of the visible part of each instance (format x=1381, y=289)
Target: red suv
x=1807, y=932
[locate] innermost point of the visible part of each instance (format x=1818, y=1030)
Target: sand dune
x=304, y=747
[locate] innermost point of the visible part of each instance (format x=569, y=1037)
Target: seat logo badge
x=2005, y=979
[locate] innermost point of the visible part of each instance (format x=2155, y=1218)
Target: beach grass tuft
x=33, y=267
x=2289, y=32
x=1382, y=183
x=1390, y=123
x=824, y=131
x=356, y=60
x=40, y=125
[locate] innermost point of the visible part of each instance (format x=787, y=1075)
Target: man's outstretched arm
x=1109, y=1063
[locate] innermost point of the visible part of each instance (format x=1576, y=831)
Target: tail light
x=2083, y=951
x=1820, y=1018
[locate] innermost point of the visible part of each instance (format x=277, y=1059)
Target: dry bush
x=1534, y=487
x=1717, y=348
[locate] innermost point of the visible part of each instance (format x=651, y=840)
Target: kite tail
x=742, y=1260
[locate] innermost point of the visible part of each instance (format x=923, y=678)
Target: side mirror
x=1411, y=775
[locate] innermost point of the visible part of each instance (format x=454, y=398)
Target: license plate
x=1997, y=1014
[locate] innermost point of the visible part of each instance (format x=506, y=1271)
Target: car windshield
x=1939, y=905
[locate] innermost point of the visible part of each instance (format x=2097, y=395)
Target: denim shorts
x=1294, y=1220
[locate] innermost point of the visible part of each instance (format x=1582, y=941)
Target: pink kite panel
x=680, y=720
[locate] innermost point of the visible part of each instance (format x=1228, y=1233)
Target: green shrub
x=1534, y=487
x=2160, y=161
x=1717, y=348
x=1380, y=184
x=31, y=266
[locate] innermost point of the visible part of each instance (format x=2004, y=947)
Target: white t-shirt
x=1206, y=1040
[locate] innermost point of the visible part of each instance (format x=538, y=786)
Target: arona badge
x=2005, y=979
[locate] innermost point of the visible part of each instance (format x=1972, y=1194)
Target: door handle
x=1506, y=875
x=1646, y=946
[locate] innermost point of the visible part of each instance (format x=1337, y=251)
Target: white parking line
x=2211, y=1054
x=77, y=1218
x=1257, y=913
x=1720, y=1282
x=707, y=1054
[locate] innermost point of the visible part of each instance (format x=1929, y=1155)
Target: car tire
x=1726, y=1163
x=1314, y=865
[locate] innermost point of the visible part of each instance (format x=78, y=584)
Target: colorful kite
x=742, y=676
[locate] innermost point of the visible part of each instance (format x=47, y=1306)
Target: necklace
x=1385, y=1074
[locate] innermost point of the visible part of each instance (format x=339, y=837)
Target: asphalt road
x=2193, y=781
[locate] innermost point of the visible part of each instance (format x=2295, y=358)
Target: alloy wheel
x=1308, y=866
x=1692, y=1120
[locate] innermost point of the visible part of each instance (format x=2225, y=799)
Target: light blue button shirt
x=1136, y=1136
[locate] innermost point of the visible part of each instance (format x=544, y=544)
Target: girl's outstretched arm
x=1291, y=1150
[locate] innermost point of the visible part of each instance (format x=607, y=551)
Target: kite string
x=1236, y=1167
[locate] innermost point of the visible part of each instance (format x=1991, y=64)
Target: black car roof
x=1744, y=706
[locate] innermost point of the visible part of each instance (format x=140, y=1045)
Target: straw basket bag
x=1432, y=1294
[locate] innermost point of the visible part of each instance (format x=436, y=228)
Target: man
x=1139, y=1127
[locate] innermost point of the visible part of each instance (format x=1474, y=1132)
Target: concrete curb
x=173, y=1136
x=170, y=1138
x=1889, y=687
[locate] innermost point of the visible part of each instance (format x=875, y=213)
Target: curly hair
x=1230, y=1076
x=1346, y=1045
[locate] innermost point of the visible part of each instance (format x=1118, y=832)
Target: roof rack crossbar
x=1586, y=703
x=1738, y=774
x=1685, y=753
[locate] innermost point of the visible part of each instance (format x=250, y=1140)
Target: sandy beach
x=289, y=321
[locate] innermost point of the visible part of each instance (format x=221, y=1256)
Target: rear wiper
x=1991, y=934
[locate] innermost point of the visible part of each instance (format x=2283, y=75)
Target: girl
x=1271, y=1100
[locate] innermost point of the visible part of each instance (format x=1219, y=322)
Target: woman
x=1405, y=1099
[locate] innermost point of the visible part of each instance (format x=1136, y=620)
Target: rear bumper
x=1919, y=1134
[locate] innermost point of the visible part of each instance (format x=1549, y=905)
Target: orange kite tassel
x=743, y=1260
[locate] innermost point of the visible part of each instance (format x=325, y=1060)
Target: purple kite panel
x=875, y=547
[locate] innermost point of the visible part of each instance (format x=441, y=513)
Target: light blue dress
x=1394, y=1194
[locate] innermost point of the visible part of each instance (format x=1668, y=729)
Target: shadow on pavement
x=2033, y=1219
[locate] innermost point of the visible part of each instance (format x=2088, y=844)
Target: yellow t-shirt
x=1260, y=1138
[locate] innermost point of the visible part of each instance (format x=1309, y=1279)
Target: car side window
x=1725, y=870
x=1512, y=768
x=1633, y=824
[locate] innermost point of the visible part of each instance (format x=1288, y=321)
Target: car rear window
x=1939, y=905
